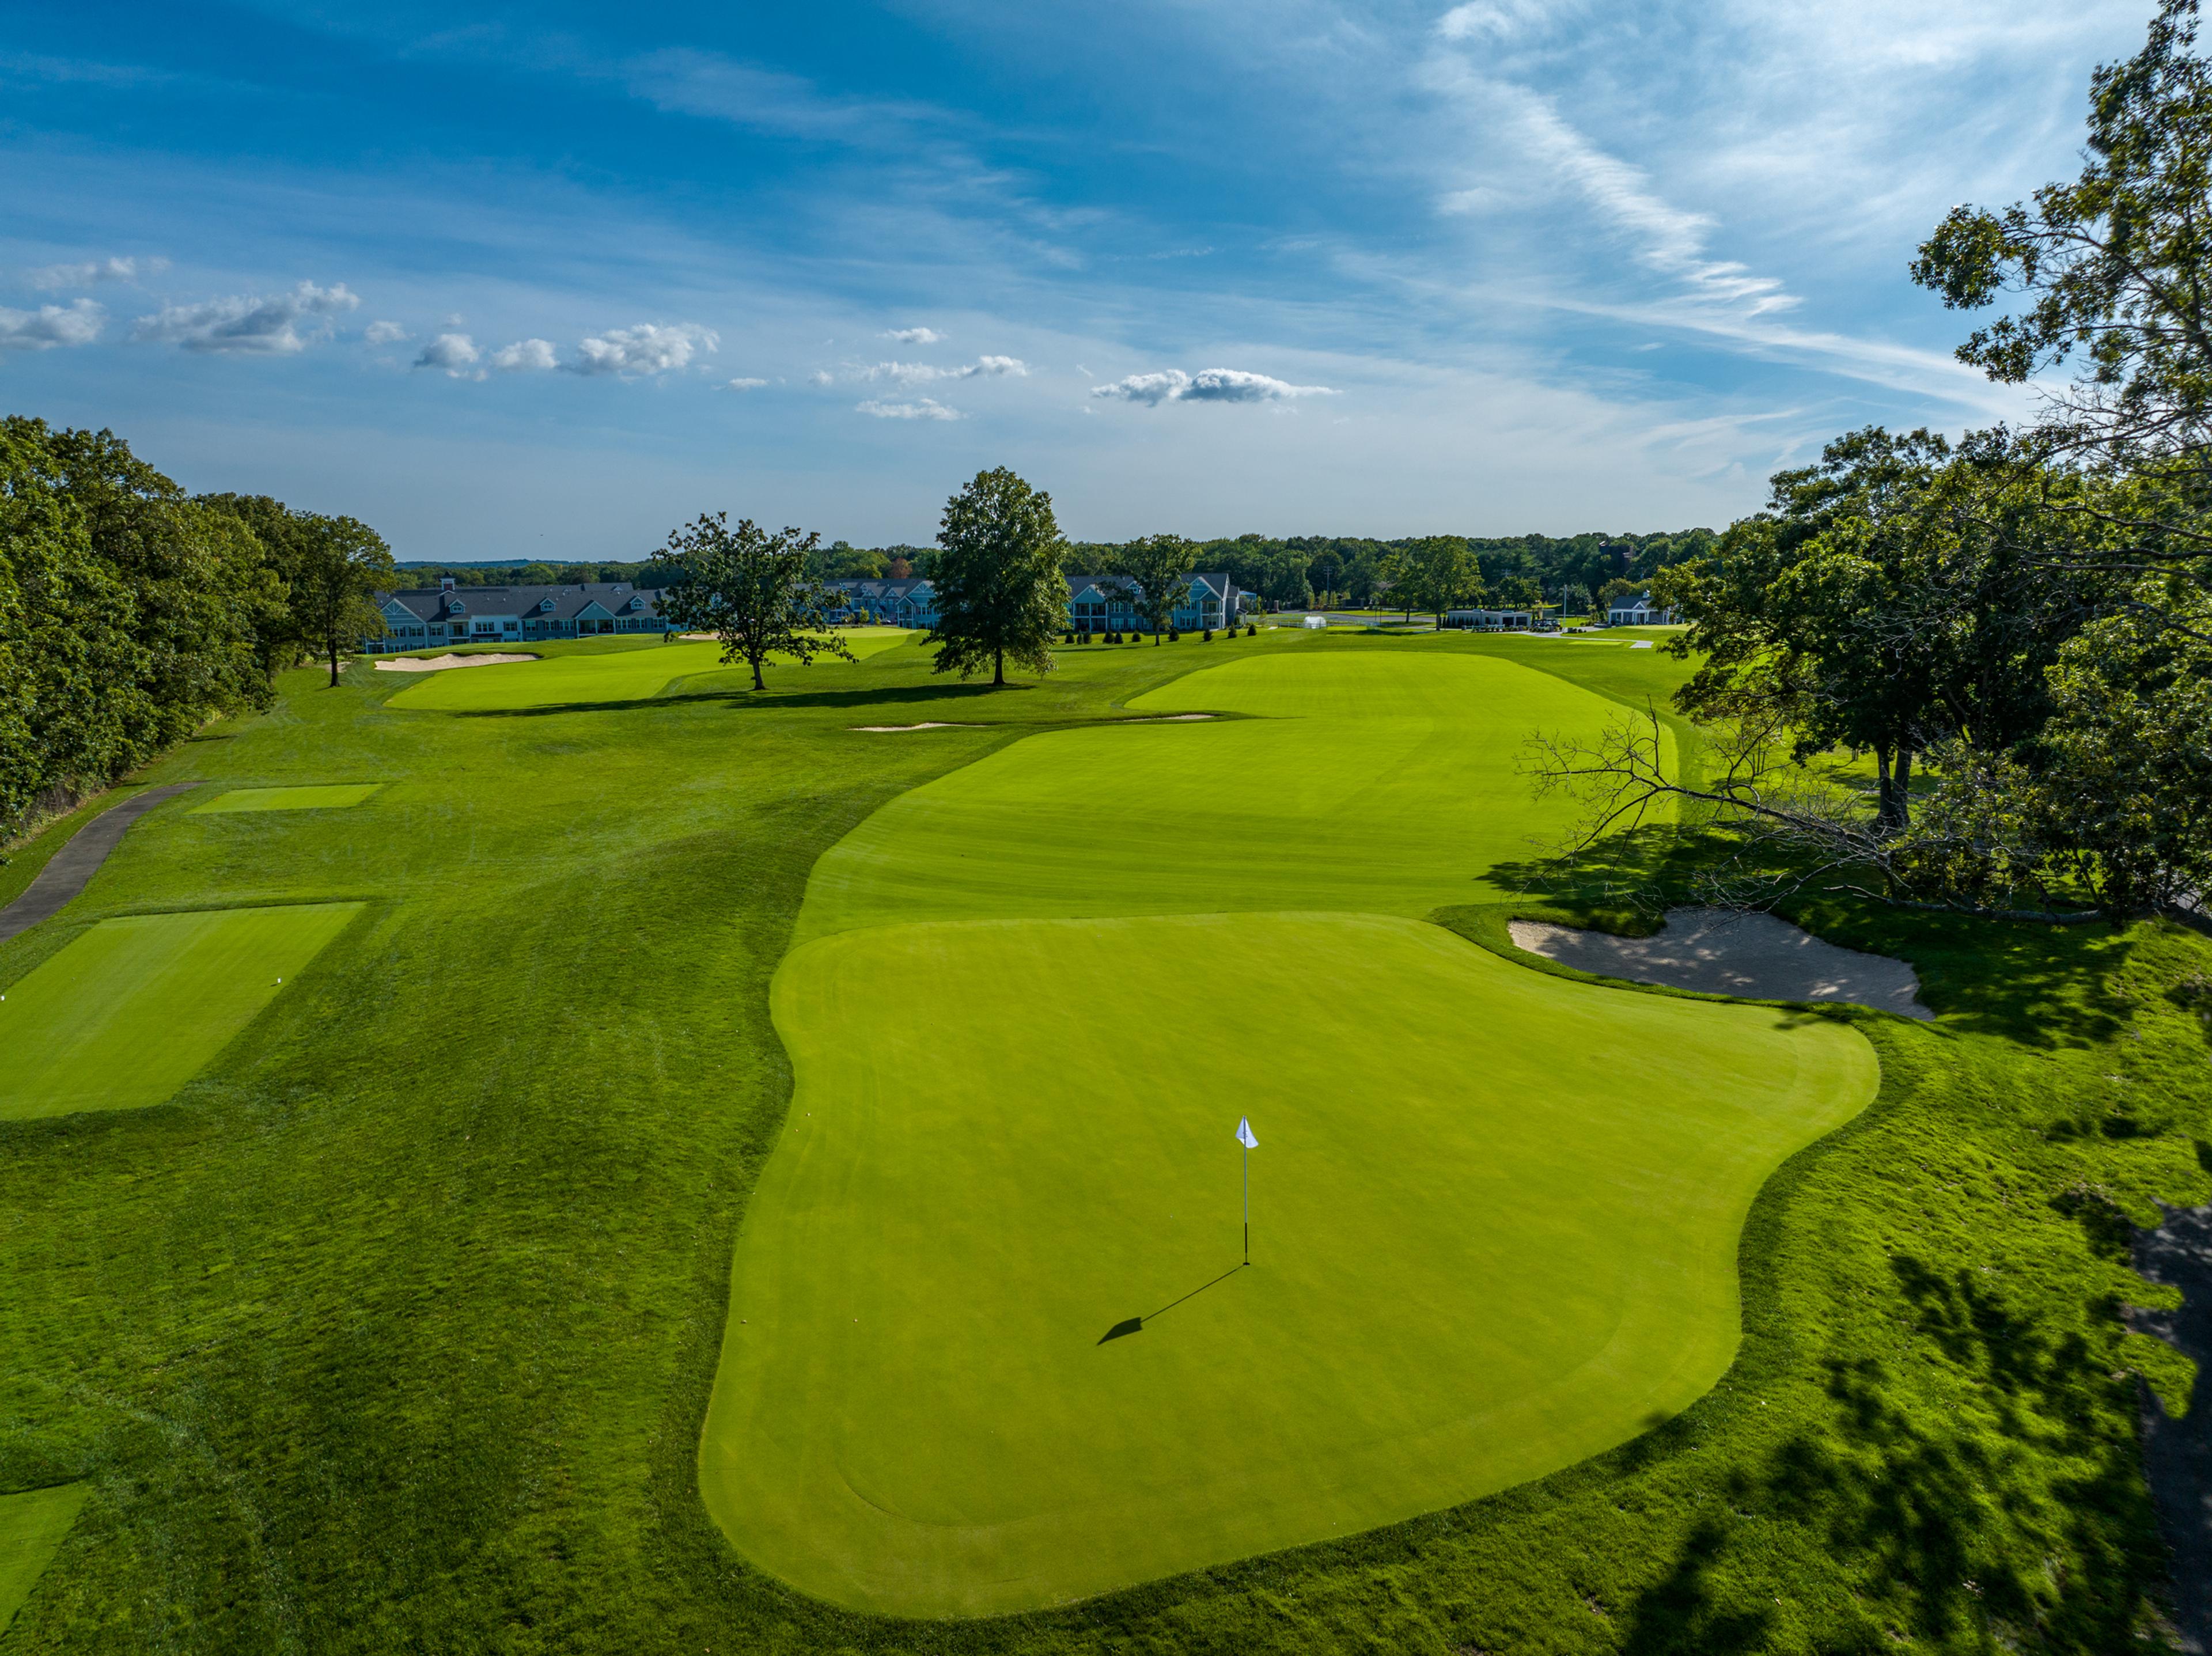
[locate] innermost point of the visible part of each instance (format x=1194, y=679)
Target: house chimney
x=445, y=583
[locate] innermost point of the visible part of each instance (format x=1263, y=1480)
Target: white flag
x=1244, y=1134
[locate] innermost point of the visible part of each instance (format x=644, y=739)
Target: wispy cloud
x=712, y=86
x=925, y=407
x=1207, y=385
x=922, y=373
x=249, y=325
x=92, y=272
x=914, y=336
x=742, y=384
x=51, y=326
x=384, y=333
x=647, y=349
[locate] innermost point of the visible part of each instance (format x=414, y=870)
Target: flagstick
x=1248, y=1204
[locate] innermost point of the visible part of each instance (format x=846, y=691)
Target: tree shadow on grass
x=746, y=700
x=1932, y=1512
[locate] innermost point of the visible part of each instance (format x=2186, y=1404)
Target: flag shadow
x=1129, y=1325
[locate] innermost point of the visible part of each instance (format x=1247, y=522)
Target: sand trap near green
x=615, y=676
x=32, y=1524
x=134, y=1008
x=1505, y=1247
x=1373, y=780
x=332, y=798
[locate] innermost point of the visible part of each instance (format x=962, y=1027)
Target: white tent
x=1321, y=621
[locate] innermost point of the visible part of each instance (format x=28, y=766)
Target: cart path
x=2177, y=1453
x=73, y=866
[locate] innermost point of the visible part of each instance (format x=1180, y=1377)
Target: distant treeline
x=1295, y=570
x=131, y=614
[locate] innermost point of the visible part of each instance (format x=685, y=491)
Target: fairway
x=1495, y=1226
x=331, y=798
x=134, y=1008
x=1373, y=780
x=33, y=1525
x=598, y=677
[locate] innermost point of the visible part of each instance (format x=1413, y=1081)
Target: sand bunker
x=925, y=725
x=1721, y=952
x=439, y=663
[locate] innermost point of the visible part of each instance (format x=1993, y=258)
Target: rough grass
x=395, y=1332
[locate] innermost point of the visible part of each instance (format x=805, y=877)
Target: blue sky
x=545, y=281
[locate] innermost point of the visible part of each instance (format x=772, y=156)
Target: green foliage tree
x=1157, y=568
x=1000, y=591
x=337, y=567
x=1437, y=574
x=755, y=591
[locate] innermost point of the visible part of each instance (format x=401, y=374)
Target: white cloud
x=925, y=407
x=921, y=374
x=744, y=385
x=1665, y=238
x=248, y=325
x=384, y=333
x=456, y=353
x=93, y=271
x=1498, y=20
x=51, y=326
x=647, y=349
x=524, y=356
x=1207, y=385
x=821, y=377
x=915, y=335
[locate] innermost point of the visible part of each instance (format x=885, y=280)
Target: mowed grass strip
x=329, y=797
x=595, y=677
x=131, y=1010
x=1495, y=1224
x=32, y=1524
x=1364, y=780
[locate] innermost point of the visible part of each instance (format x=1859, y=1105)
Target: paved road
x=76, y=862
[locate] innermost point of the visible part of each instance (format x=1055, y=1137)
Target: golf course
x=734, y=1169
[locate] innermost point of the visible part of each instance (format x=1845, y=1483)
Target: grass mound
x=132, y=1008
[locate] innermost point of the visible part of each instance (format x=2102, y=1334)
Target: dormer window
x=545, y=606
x=458, y=607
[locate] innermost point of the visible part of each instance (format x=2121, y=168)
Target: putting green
x=307, y=798
x=131, y=1010
x=1495, y=1222
x=33, y=1525
x=1371, y=780
x=596, y=679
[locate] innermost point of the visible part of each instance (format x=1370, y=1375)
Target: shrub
x=1251, y=630
x=1175, y=635
x=1208, y=639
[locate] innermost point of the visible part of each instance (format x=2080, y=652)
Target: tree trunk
x=1902, y=796
x=998, y=669
x=759, y=683
x=334, y=663
x=1883, y=805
